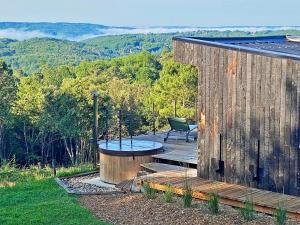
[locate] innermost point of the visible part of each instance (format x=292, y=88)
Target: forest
x=48, y=114
x=46, y=84
x=29, y=55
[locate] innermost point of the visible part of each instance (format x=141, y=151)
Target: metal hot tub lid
x=128, y=148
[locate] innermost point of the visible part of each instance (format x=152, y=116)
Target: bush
x=168, y=194
x=248, y=211
x=213, y=203
x=187, y=196
x=280, y=215
x=10, y=175
x=149, y=192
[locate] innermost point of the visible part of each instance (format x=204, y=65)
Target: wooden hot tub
x=122, y=162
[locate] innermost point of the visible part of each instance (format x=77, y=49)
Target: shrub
x=213, y=203
x=149, y=192
x=187, y=196
x=248, y=211
x=168, y=194
x=280, y=215
x=10, y=175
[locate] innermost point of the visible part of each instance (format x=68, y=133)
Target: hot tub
x=122, y=162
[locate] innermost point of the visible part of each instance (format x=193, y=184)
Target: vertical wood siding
x=253, y=102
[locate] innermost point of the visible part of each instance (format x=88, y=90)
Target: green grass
x=248, y=212
x=187, y=196
x=280, y=215
x=168, y=194
x=37, y=199
x=149, y=192
x=213, y=203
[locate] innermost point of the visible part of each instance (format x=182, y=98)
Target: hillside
x=28, y=55
x=54, y=30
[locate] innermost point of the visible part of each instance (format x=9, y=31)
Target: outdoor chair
x=180, y=125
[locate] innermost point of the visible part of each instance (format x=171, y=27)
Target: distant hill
x=29, y=54
x=52, y=30
x=82, y=31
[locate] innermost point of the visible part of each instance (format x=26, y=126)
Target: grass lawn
x=39, y=201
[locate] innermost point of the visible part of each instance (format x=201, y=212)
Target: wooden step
x=155, y=167
x=229, y=194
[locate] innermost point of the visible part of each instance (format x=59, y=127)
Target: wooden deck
x=176, y=150
x=230, y=194
x=169, y=168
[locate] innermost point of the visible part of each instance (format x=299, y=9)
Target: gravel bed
x=135, y=209
x=76, y=184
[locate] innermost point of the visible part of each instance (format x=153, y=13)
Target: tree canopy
x=50, y=111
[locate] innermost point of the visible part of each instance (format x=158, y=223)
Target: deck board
x=176, y=150
x=185, y=154
x=230, y=194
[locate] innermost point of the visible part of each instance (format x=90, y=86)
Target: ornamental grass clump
x=248, y=211
x=168, y=194
x=213, y=203
x=280, y=215
x=187, y=196
x=149, y=192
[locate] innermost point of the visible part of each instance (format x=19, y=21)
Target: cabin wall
x=247, y=102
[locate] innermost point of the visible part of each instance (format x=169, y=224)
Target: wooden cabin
x=248, y=106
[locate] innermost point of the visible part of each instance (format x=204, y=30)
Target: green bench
x=180, y=125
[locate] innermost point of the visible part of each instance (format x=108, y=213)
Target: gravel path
x=76, y=184
x=135, y=209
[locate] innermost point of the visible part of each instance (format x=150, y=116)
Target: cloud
x=157, y=30
x=19, y=34
x=160, y=30
x=149, y=30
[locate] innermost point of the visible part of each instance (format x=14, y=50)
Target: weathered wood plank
x=292, y=181
x=201, y=142
x=233, y=118
x=267, y=163
x=285, y=124
x=263, y=153
x=258, y=114
x=297, y=130
x=220, y=111
x=207, y=112
x=214, y=114
x=253, y=121
x=277, y=73
x=199, y=103
x=212, y=174
x=226, y=150
x=272, y=179
x=243, y=116
x=248, y=177
x=287, y=70
x=238, y=122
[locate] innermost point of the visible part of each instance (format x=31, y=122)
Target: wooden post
x=95, y=128
x=175, y=108
x=106, y=124
x=120, y=128
x=196, y=111
x=53, y=164
x=153, y=115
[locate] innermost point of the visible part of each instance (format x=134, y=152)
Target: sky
x=200, y=13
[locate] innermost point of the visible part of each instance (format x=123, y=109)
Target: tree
x=177, y=82
x=8, y=87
